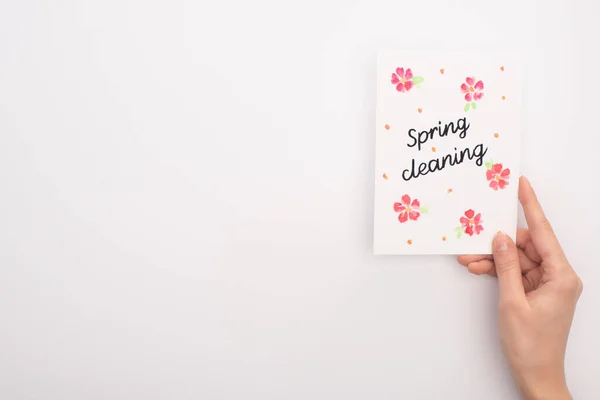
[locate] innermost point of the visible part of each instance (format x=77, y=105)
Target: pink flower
x=473, y=91
x=471, y=223
x=403, y=80
x=407, y=209
x=497, y=176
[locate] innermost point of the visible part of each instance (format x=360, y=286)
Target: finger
x=480, y=267
x=468, y=259
x=526, y=263
x=540, y=230
x=524, y=243
x=510, y=280
x=533, y=279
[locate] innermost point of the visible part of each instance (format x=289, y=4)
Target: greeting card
x=447, y=152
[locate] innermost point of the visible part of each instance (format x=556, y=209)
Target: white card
x=447, y=152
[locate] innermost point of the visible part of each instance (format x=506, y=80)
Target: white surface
x=187, y=195
x=442, y=102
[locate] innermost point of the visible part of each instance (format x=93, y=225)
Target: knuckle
x=572, y=283
x=507, y=265
x=545, y=224
x=579, y=286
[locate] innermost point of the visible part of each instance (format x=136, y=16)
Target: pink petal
x=505, y=173
x=478, y=229
x=477, y=219
x=477, y=96
x=414, y=215
x=408, y=85
x=489, y=174
x=464, y=88
x=497, y=168
x=400, y=72
x=469, y=230
x=479, y=85
x=502, y=183
x=464, y=221
x=415, y=204
x=494, y=184
x=406, y=199
x=398, y=207
x=395, y=79
x=469, y=214
x=409, y=74
x=470, y=81
x=468, y=97
x=400, y=87
x=403, y=217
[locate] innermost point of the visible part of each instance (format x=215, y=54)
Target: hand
x=538, y=291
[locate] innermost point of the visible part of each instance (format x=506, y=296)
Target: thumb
x=506, y=259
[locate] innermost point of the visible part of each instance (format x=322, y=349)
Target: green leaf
x=459, y=231
x=488, y=165
x=467, y=106
x=418, y=79
x=473, y=106
x=423, y=210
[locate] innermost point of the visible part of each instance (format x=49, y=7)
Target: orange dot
x=385, y=176
x=450, y=190
x=503, y=97
x=433, y=149
x=420, y=110
x=496, y=135
x=444, y=238
x=409, y=241
x=502, y=68
x=442, y=71
x=387, y=127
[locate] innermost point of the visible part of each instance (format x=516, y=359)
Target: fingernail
x=500, y=243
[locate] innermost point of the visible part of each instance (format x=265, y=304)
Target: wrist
x=561, y=394
x=550, y=388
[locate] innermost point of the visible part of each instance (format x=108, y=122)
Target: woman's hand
x=538, y=293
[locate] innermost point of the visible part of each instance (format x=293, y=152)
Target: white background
x=187, y=190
